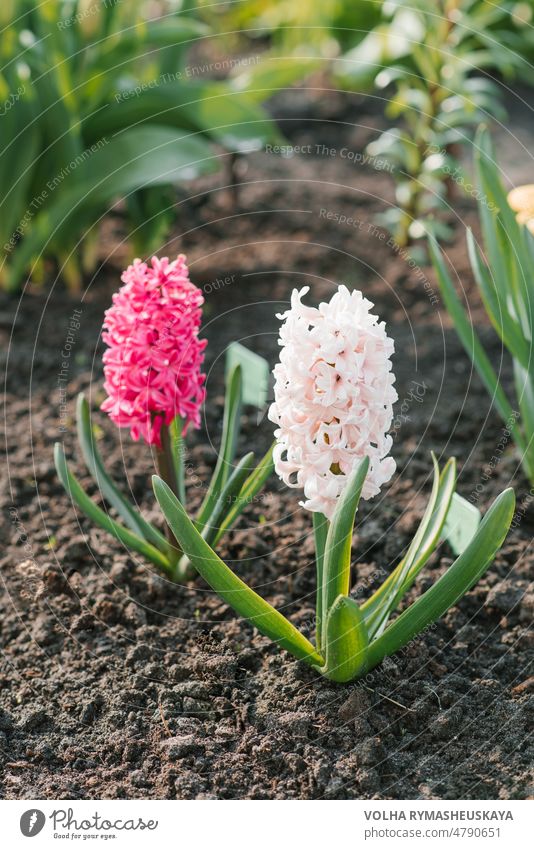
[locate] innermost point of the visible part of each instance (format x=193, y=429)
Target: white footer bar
x=268, y=824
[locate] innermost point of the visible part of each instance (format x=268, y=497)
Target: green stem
x=177, y=449
x=167, y=471
x=320, y=530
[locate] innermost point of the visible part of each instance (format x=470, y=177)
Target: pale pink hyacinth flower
x=153, y=361
x=333, y=398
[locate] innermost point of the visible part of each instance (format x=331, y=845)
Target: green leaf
x=379, y=49
x=223, y=504
x=487, y=174
x=255, y=373
x=169, y=105
x=457, y=580
x=250, y=488
x=463, y=520
x=336, y=571
x=125, y=46
x=496, y=255
x=472, y=344
x=110, y=492
x=145, y=156
x=505, y=264
x=524, y=386
x=137, y=50
x=346, y=641
x=231, y=118
x=273, y=73
x=99, y=517
x=505, y=231
x=19, y=157
x=230, y=433
x=227, y=585
x=377, y=609
x=500, y=316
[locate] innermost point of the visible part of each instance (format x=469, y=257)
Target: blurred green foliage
x=290, y=27
x=427, y=57
x=431, y=60
x=98, y=103
x=503, y=267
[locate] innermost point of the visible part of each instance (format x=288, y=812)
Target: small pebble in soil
x=356, y=706
x=6, y=720
x=35, y=719
x=180, y=746
x=504, y=596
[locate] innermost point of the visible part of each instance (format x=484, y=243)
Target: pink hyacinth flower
x=333, y=398
x=154, y=357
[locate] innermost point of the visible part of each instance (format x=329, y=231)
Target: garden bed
x=116, y=684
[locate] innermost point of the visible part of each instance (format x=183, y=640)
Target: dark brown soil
x=115, y=683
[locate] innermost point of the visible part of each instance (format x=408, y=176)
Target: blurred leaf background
x=102, y=100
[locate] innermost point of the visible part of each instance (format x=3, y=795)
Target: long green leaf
x=385, y=600
x=502, y=260
x=487, y=174
x=503, y=321
x=99, y=517
x=230, y=433
x=472, y=344
x=336, y=572
x=508, y=231
x=346, y=641
x=457, y=580
x=111, y=493
x=60, y=135
x=524, y=386
x=19, y=157
x=228, y=497
x=227, y=585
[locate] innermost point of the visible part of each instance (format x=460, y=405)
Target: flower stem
x=167, y=472
x=320, y=530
